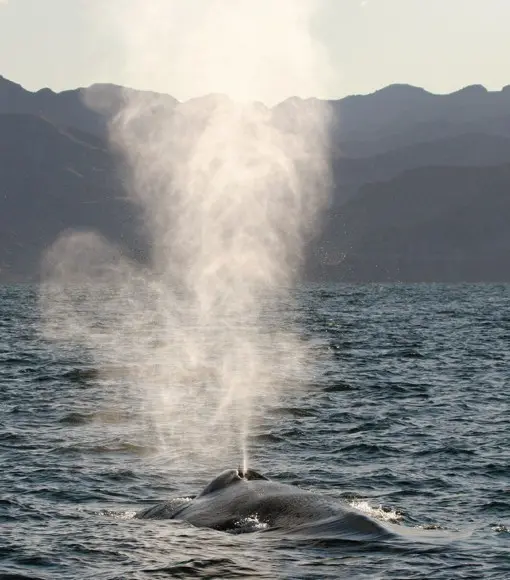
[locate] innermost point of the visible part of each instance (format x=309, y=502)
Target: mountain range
x=421, y=182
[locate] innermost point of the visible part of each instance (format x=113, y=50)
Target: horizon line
x=394, y=85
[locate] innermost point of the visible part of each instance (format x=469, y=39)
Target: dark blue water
x=407, y=417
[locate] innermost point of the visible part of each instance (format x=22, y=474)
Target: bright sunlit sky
x=441, y=45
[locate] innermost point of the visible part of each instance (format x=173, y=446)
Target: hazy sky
x=441, y=45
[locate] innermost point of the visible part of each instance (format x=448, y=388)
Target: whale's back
x=278, y=506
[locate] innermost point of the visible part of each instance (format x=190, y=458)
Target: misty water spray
x=230, y=191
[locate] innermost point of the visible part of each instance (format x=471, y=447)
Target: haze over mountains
x=421, y=181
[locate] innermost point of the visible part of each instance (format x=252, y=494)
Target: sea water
x=404, y=415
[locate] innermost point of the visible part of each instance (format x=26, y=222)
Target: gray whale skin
x=235, y=498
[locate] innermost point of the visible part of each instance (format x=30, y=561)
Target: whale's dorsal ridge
x=230, y=477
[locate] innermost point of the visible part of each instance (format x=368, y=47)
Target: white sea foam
x=379, y=513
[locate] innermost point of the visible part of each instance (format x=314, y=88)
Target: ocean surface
x=407, y=418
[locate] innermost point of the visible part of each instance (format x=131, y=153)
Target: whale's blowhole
x=231, y=477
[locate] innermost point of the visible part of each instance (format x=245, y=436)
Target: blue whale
x=236, y=499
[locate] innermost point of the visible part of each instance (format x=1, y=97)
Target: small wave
x=16, y=360
x=11, y=437
x=372, y=449
x=76, y=419
x=114, y=447
x=293, y=432
x=208, y=568
x=299, y=411
x=496, y=469
x=44, y=378
x=268, y=438
x=13, y=576
x=339, y=345
x=119, y=515
x=379, y=513
x=410, y=353
x=455, y=451
x=495, y=506
x=338, y=387
x=123, y=447
x=81, y=375
x=119, y=474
